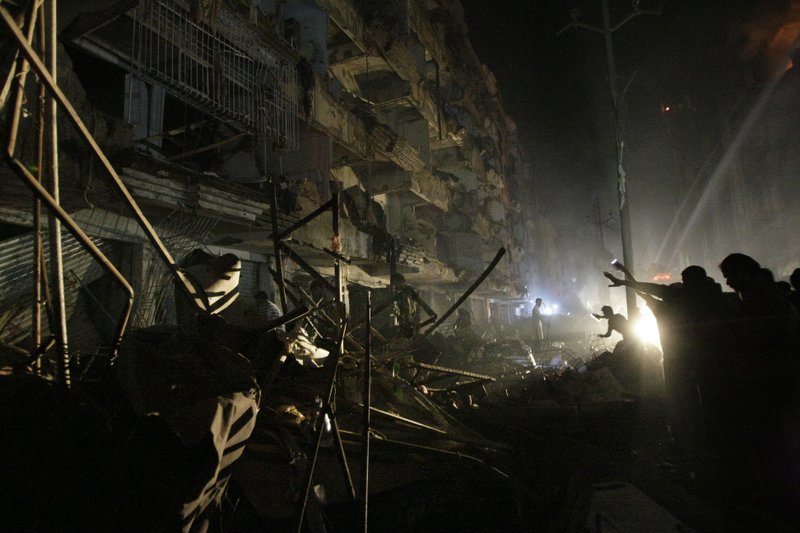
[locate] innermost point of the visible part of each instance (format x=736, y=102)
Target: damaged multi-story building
x=202, y=105
x=233, y=151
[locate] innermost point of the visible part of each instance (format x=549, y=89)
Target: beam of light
x=722, y=168
x=720, y=172
x=677, y=217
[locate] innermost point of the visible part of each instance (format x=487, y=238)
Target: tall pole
x=619, y=145
x=366, y=417
x=38, y=249
x=56, y=258
x=600, y=222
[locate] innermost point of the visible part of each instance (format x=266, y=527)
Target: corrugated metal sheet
x=16, y=284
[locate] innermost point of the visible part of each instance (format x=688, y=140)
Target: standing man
x=536, y=318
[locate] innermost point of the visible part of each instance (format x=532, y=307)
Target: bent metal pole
x=500, y=253
x=58, y=95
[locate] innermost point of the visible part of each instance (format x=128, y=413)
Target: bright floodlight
x=646, y=328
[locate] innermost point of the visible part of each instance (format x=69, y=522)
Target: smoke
x=770, y=37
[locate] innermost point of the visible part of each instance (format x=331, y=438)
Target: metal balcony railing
x=227, y=71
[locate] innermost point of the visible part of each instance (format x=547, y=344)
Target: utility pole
x=617, y=101
x=600, y=221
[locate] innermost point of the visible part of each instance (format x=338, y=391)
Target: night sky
x=697, y=58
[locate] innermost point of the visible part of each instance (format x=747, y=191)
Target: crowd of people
x=731, y=371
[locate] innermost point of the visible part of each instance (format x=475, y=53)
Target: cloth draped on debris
x=200, y=390
x=300, y=346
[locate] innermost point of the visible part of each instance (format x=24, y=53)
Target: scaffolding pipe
x=21, y=72
x=457, y=455
x=367, y=407
x=337, y=265
x=5, y=90
x=302, y=263
x=333, y=363
x=303, y=221
x=337, y=437
x=80, y=236
x=309, y=477
x=321, y=310
x=44, y=346
x=56, y=254
x=341, y=315
x=288, y=318
x=30, y=57
x=292, y=297
x=38, y=251
x=53, y=87
x=500, y=253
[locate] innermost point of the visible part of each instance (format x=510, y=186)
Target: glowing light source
x=550, y=309
x=646, y=328
x=662, y=276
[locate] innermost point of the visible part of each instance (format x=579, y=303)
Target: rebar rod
x=337, y=266
x=288, y=318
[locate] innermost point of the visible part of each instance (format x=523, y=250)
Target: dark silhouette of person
x=784, y=288
x=536, y=319
x=616, y=322
x=794, y=296
x=688, y=315
x=761, y=387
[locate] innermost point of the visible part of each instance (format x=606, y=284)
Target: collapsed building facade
x=225, y=150
x=200, y=105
